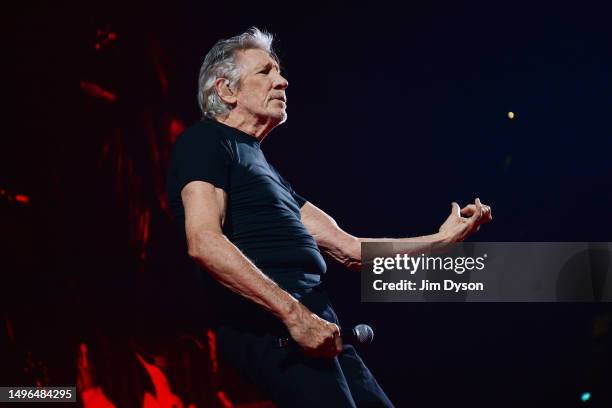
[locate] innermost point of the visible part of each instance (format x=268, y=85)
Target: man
x=261, y=241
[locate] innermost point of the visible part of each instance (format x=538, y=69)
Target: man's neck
x=248, y=124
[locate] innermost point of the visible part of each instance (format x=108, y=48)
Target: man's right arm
x=205, y=207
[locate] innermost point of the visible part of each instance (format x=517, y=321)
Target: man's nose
x=281, y=82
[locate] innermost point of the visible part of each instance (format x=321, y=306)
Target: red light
x=97, y=91
x=104, y=37
x=95, y=398
x=163, y=394
x=143, y=232
x=91, y=394
x=212, y=348
x=175, y=129
x=225, y=402
x=20, y=198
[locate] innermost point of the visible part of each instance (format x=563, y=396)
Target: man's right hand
x=315, y=336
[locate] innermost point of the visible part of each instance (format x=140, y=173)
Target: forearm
x=417, y=245
x=346, y=249
x=350, y=252
x=214, y=252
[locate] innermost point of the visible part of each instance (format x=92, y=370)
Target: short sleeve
x=298, y=198
x=199, y=156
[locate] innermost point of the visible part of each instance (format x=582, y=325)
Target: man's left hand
x=463, y=222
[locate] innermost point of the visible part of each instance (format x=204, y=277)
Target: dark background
x=394, y=112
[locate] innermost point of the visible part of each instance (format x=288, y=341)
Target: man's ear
x=225, y=92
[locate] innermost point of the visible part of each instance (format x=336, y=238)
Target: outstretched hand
x=463, y=222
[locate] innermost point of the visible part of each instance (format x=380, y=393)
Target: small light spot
x=585, y=396
x=511, y=115
x=23, y=199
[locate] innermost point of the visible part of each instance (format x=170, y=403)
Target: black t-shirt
x=263, y=212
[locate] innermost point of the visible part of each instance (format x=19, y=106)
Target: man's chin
x=280, y=117
x=275, y=118
x=283, y=119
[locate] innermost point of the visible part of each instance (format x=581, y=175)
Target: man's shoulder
x=201, y=132
x=203, y=139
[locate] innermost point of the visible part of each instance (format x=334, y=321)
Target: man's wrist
x=444, y=237
x=292, y=313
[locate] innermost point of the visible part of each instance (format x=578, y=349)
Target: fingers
x=338, y=345
x=325, y=342
x=455, y=209
x=488, y=215
x=468, y=210
x=485, y=211
x=480, y=213
x=334, y=343
x=477, y=211
x=335, y=330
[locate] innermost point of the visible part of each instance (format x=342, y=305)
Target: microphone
x=362, y=334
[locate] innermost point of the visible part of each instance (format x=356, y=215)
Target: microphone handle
x=284, y=341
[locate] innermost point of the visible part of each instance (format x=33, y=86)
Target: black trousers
x=288, y=377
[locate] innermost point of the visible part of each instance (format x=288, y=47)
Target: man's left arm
x=346, y=249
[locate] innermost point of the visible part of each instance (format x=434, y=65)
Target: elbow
x=193, y=248
x=193, y=253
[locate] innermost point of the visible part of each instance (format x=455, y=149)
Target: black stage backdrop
x=394, y=112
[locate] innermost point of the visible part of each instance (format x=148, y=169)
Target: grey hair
x=220, y=62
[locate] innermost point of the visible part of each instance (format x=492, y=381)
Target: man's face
x=262, y=88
